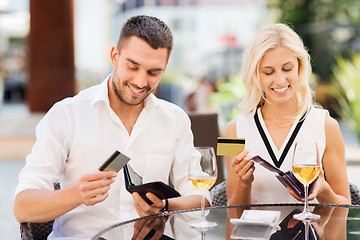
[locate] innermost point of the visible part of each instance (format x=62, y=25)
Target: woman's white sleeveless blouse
x=266, y=188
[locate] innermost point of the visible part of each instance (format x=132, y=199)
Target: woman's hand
x=244, y=167
x=319, y=185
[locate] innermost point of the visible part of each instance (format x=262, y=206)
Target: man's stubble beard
x=122, y=99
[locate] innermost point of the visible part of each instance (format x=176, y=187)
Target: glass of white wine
x=203, y=175
x=306, y=168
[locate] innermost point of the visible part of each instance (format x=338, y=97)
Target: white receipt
x=257, y=217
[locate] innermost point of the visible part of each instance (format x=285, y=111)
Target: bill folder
x=286, y=178
x=295, y=233
x=160, y=189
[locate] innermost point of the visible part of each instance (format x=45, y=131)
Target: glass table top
x=337, y=222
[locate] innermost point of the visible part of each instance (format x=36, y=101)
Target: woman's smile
x=281, y=90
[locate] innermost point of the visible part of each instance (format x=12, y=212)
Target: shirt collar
x=151, y=101
x=101, y=93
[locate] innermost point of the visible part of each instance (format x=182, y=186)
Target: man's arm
x=34, y=205
x=186, y=202
x=175, y=204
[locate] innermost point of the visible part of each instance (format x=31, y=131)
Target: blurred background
x=50, y=50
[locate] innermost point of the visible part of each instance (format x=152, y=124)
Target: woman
x=276, y=71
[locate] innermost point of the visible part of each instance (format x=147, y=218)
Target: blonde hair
x=268, y=38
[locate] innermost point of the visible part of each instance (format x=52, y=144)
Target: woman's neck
x=280, y=115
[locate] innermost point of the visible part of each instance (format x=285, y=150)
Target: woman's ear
x=114, y=55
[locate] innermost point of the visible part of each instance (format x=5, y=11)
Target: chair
x=37, y=231
x=218, y=195
x=205, y=129
x=355, y=194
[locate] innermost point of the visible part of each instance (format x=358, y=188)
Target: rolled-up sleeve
x=46, y=162
x=185, y=152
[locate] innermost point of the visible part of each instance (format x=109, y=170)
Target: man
x=78, y=134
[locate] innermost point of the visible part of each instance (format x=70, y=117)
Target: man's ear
x=165, y=67
x=114, y=55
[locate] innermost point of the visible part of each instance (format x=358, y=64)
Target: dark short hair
x=150, y=29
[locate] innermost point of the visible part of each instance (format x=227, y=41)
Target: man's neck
x=128, y=114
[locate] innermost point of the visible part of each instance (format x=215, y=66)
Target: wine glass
x=203, y=175
x=306, y=168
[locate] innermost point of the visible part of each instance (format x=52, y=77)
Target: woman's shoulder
x=331, y=124
x=318, y=111
x=230, y=130
x=242, y=117
x=240, y=121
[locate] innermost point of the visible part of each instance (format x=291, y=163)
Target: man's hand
x=93, y=188
x=143, y=208
x=40, y=205
x=143, y=228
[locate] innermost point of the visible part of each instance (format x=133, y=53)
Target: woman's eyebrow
x=288, y=63
x=269, y=67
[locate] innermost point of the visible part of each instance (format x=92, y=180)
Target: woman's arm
x=334, y=186
x=239, y=174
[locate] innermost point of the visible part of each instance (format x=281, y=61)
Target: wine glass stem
x=307, y=225
x=203, y=235
x=203, y=218
x=306, y=198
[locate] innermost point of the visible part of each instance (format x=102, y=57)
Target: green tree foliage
x=328, y=28
x=346, y=81
x=227, y=97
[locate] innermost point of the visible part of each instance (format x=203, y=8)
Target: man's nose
x=140, y=79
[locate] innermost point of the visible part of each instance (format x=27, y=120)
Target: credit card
x=115, y=162
x=230, y=146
